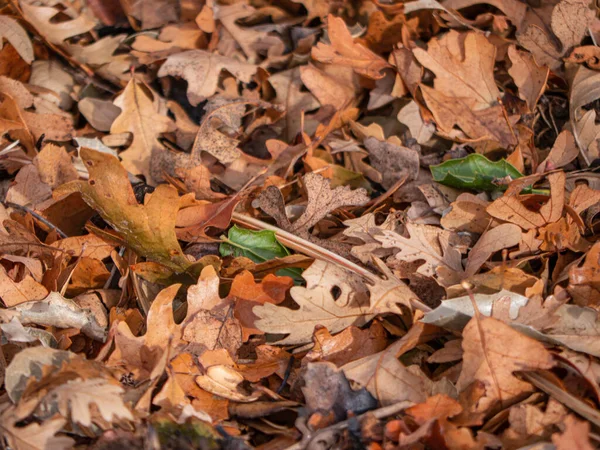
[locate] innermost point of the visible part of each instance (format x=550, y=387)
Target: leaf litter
x=299, y=225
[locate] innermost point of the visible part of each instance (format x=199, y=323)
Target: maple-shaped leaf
x=33, y=436
x=322, y=200
x=141, y=118
x=431, y=244
x=201, y=69
x=148, y=229
x=488, y=359
x=74, y=399
x=317, y=305
x=343, y=51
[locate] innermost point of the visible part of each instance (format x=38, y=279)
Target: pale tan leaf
x=562, y=153
x=140, y=117
x=75, y=398
x=34, y=436
x=201, y=69
x=489, y=360
x=18, y=38
x=317, y=305
x=13, y=293
x=427, y=243
x=503, y=236
x=41, y=18
x=463, y=64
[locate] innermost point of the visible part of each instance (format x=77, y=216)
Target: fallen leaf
x=488, y=359
x=317, y=305
x=140, y=117
x=428, y=243
x=576, y=432
x=529, y=77
x=322, y=200
x=18, y=38
x=150, y=228
x=41, y=18
x=201, y=69
x=511, y=209
x=345, y=52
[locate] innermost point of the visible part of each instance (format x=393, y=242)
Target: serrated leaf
x=474, y=172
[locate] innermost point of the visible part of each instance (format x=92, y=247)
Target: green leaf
x=474, y=172
x=259, y=246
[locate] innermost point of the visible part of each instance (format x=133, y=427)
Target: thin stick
x=380, y=413
x=571, y=402
x=38, y=217
x=303, y=246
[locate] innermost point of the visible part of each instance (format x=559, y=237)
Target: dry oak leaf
x=529, y=77
x=34, y=436
x=201, y=69
x=576, y=434
x=503, y=236
x=148, y=229
x=463, y=64
x=210, y=321
x=344, y=51
x=141, y=355
x=17, y=37
x=322, y=200
x=569, y=21
x=141, y=118
x=55, y=166
x=41, y=19
x=563, y=151
x=484, y=125
x=246, y=294
x=347, y=346
x=291, y=94
x=388, y=379
x=326, y=87
x=489, y=360
x=510, y=208
x=317, y=305
x=249, y=39
x=75, y=398
x=431, y=244
x=465, y=92
x=14, y=293
x=467, y=213
x=152, y=14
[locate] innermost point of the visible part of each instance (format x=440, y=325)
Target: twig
x=38, y=217
x=303, y=246
x=563, y=397
x=380, y=413
x=314, y=251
